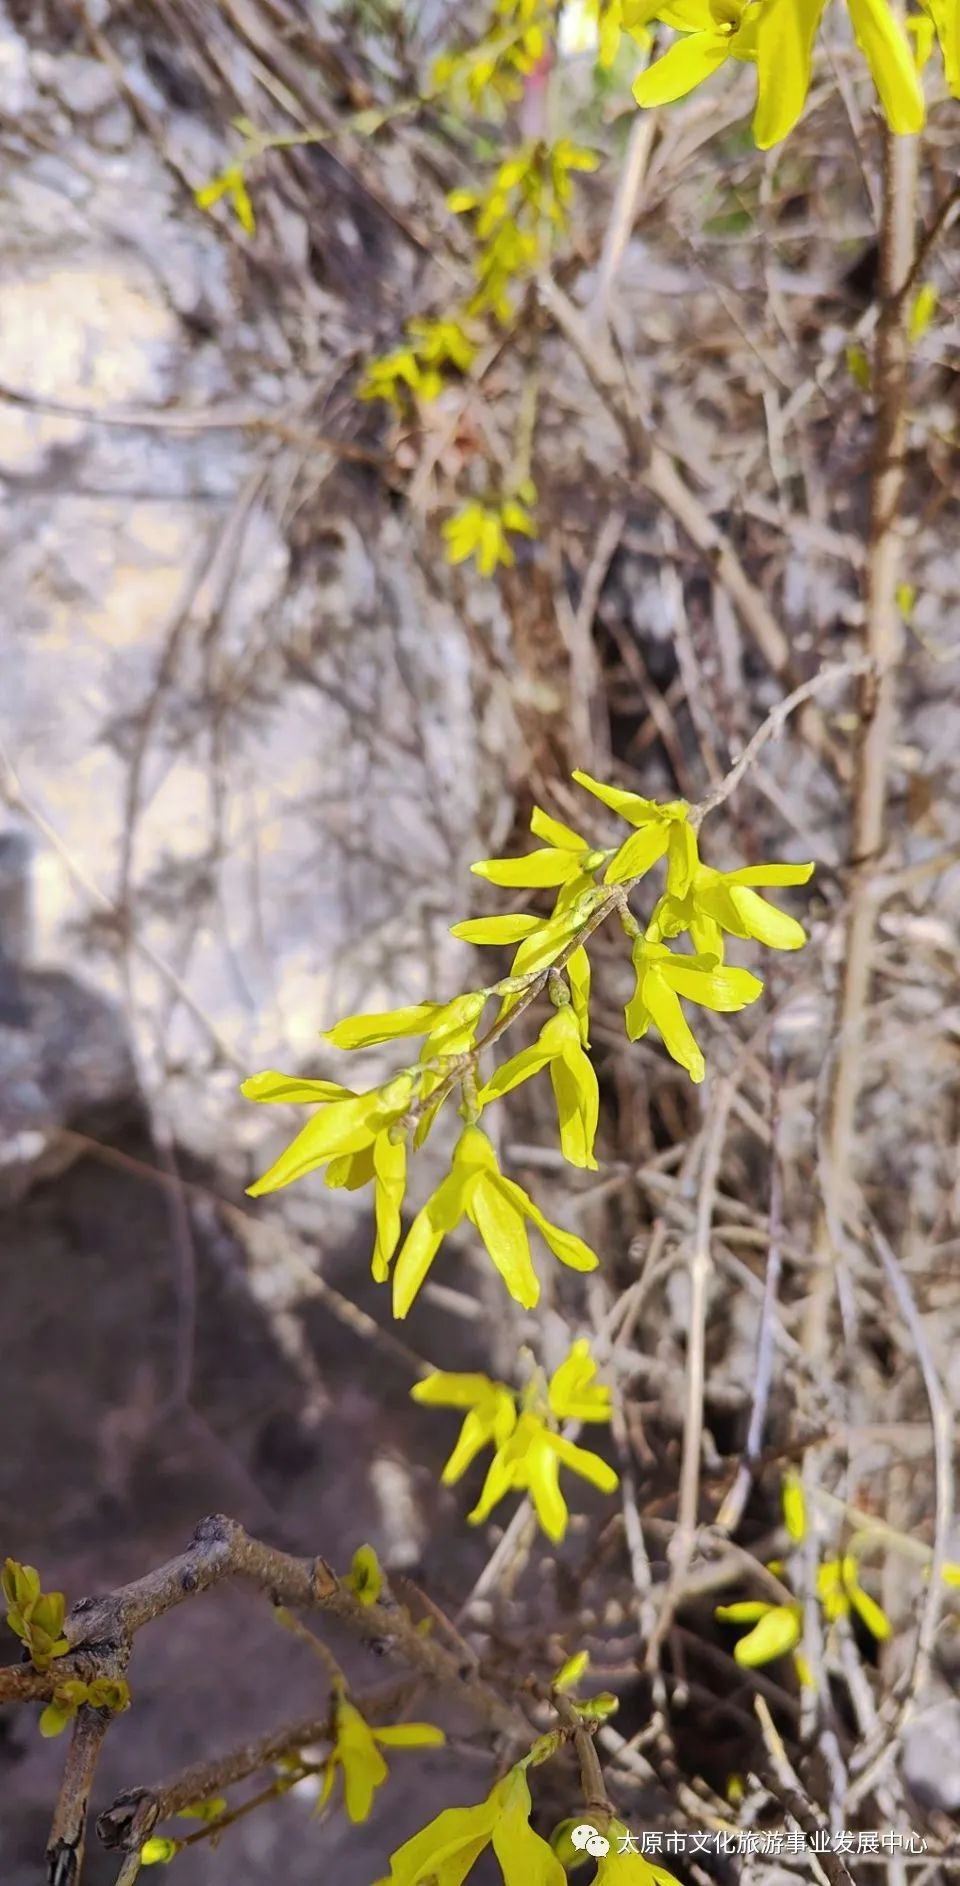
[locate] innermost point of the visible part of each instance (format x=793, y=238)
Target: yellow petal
x=368, y=1031
x=773, y=876
x=440, y=1214
x=775, y=1634
x=628, y=805
x=520, y=1067
x=765, y=922
x=506, y=929
x=543, y=1481
x=587, y=1464
x=390, y=1168
x=565, y=1245
x=533, y=870
x=525, y=1859
x=270, y=1086
x=445, y=1849
x=663, y=1007
x=578, y=976
x=577, y=1094
x=786, y=30
x=723, y=989
x=886, y=48
x=504, y=1233
x=794, y=1507
x=573, y=1393
x=451, y=1390
x=638, y=853
x=688, y=62
x=410, y=1735
x=555, y=833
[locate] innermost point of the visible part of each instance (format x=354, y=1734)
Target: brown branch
x=69, y=1829
x=658, y=472
x=131, y=1818
x=883, y=639
x=101, y=1631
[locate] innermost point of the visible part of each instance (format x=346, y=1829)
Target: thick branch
x=68, y=1832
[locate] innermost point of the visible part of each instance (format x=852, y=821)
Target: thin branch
x=731, y=1511
x=68, y=1832
x=873, y=1756
x=658, y=472
x=878, y=712
x=131, y=1818
x=787, y=1787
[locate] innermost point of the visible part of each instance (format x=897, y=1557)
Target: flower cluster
x=364, y=1137
x=778, y=37
x=482, y=531
x=776, y=1629
x=528, y=1450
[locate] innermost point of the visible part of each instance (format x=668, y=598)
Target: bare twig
x=131, y=1818
x=731, y=1511
x=883, y=638
x=787, y=1787
x=658, y=472
x=872, y=1757
x=68, y=1831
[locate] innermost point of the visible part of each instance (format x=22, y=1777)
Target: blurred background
x=254, y=728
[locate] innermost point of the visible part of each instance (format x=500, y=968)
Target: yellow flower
x=785, y=35
x=576, y=1091
x=662, y=978
x=230, y=184
x=708, y=902
x=345, y=1123
x=886, y=48
x=443, y=342
x=356, y=1754
x=476, y=1189
x=529, y=1461
x=384, y=1166
x=443, y=1853
x=573, y=1394
x=565, y=859
x=491, y=1414
x=481, y=531
x=945, y=15
x=528, y=1452
x=386, y=377
x=840, y=1593
x=778, y=36
x=712, y=32
x=777, y=1629
x=447, y=1027
x=657, y=825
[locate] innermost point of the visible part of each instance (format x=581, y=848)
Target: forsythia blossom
x=529, y=1451
x=707, y=902
x=446, y=1850
x=499, y=1209
x=575, y=1085
x=778, y=37
x=482, y=531
x=662, y=978
x=356, y=1754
